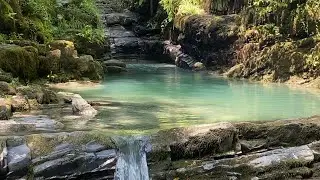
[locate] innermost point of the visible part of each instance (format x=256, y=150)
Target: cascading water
x=132, y=160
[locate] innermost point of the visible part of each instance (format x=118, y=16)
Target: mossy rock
x=22, y=62
x=6, y=77
x=43, y=144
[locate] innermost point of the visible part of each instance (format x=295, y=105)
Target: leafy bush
x=43, y=20
x=184, y=7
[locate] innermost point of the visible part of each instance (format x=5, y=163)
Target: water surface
x=157, y=96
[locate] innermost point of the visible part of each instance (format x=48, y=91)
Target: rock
x=55, y=53
x=19, y=103
x=29, y=124
x=94, y=147
x=41, y=123
x=6, y=89
x=66, y=48
x=48, y=97
x=195, y=141
x=114, y=62
x=120, y=18
x=283, y=132
x=13, y=127
x=29, y=92
x=303, y=154
x=267, y=163
x=5, y=110
x=50, y=63
x=19, y=160
x=235, y=71
x=114, y=69
x=21, y=62
x=198, y=66
x=72, y=155
x=42, y=95
x=6, y=77
x=181, y=59
x=3, y=158
x=82, y=107
x=90, y=68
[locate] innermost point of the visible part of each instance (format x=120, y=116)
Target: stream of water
x=132, y=161
x=158, y=96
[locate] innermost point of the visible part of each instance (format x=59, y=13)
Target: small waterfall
x=132, y=160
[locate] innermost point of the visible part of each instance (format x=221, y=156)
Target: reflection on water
x=156, y=96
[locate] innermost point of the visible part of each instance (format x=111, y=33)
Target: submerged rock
x=115, y=62
x=29, y=124
x=114, y=69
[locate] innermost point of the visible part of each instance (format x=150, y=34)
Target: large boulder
x=79, y=105
x=19, y=103
x=22, y=62
x=90, y=68
x=72, y=155
x=195, y=141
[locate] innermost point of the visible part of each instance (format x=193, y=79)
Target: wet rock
x=41, y=123
x=68, y=160
x=115, y=62
x=181, y=59
x=19, y=159
x=94, y=147
x=195, y=141
x=303, y=154
x=124, y=19
x=11, y=126
x=266, y=163
x=3, y=158
x=29, y=124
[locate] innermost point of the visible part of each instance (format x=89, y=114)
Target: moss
x=21, y=62
x=43, y=144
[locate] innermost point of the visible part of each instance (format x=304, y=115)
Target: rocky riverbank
x=284, y=149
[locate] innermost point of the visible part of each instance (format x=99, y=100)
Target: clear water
x=158, y=96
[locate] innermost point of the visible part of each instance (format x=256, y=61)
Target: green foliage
x=44, y=20
x=92, y=35
x=293, y=18
x=3, y=38
x=182, y=7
